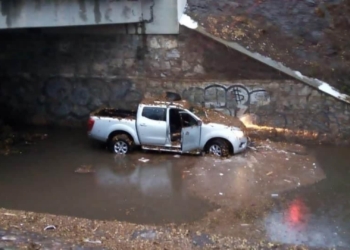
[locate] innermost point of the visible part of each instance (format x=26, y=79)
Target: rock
x=306, y=90
x=316, y=37
x=39, y=120
x=153, y=43
x=311, y=3
x=98, y=89
x=330, y=51
x=80, y=96
x=185, y=66
x=116, y=63
x=80, y=111
x=70, y=122
x=201, y=240
x=119, y=89
x=58, y=88
x=165, y=65
x=174, y=53
x=169, y=43
x=199, y=69
x=133, y=96
x=60, y=109
x=41, y=99
x=144, y=234
x=34, y=246
x=99, y=68
x=129, y=63
x=155, y=64
x=67, y=70
x=176, y=70
x=95, y=103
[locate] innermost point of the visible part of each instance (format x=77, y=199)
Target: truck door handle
x=143, y=124
x=187, y=133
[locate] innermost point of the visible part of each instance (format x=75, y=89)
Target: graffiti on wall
x=235, y=100
x=238, y=100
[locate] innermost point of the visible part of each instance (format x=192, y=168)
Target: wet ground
x=285, y=193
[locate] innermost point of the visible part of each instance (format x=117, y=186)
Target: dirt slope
x=309, y=36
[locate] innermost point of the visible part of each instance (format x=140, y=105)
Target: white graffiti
x=234, y=100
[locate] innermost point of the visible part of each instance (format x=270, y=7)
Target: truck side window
x=188, y=120
x=153, y=113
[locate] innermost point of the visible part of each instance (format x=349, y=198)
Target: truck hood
x=220, y=126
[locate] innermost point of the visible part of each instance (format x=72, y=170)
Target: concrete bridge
x=139, y=16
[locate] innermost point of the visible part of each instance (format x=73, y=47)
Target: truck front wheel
x=218, y=147
x=120, y=144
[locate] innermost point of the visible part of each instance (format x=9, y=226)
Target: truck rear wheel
x=120, y=144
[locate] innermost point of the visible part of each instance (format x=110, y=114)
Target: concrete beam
x=47, y=13
x=163, y=19
x=140, y=16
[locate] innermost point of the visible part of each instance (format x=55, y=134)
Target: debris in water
x=50, y=227
x=287, y=180
x=177, y=156
x=274, y=195
x=269, y=173
x=221, y=194
x=8, y=238
x=252, y=148
x=9, y=214
x=144, y=159
x=221, y=174
x=92, y=241
x=85, y=169
x=244, y=225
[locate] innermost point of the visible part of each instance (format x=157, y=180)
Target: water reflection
x=297, y=225
x=151, y=179
x=121, y=188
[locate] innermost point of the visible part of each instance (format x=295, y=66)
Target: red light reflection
x=297, y=213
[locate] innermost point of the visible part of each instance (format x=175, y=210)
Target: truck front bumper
x=241, y=145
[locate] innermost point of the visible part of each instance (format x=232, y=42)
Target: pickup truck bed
x=115, y=113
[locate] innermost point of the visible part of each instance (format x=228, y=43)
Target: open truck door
x=190, y=133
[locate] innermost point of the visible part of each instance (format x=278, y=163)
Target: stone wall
x=58, y=79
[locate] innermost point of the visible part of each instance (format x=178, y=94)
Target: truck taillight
x=90, y=124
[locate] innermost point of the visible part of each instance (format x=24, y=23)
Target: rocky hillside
x=310, y=36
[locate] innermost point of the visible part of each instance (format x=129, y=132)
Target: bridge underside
x=150, y=16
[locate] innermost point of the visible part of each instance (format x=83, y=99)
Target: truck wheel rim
x=215, y=150
x=120, y=147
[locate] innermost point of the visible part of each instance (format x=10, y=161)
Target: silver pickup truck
x=164, y=126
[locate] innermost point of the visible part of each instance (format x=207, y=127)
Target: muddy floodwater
x=281, y=192
x=67, y=175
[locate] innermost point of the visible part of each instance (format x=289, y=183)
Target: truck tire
x=120, y=144
x=218, y=147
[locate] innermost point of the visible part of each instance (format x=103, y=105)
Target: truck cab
x=168, y=126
